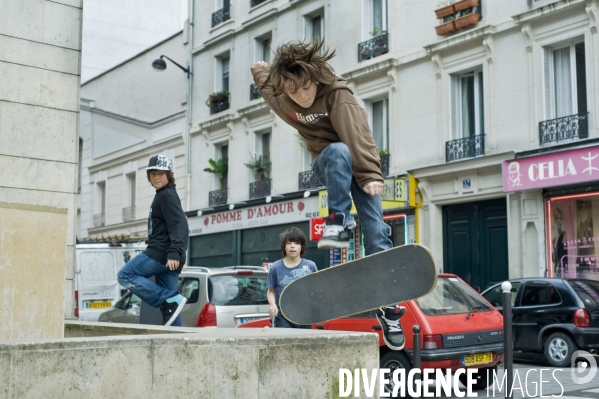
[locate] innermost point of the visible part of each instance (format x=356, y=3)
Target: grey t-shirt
x=279, y=275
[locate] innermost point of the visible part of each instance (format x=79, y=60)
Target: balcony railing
x=573, y=127
x=219, y=106
x=373, y=47
x=218, y=197
x=99, y=219
x=260, y=188
x=220, y=16
x=128, y=213
x=468, y=147
x=308, y=180
x=254, y=3
x=385, y=164
x=254, y=92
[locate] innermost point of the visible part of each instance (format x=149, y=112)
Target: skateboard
x=385, y=278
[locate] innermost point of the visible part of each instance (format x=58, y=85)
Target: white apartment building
x=453, y=100
x=128, y=114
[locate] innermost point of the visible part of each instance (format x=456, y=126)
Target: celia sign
x=555, y=169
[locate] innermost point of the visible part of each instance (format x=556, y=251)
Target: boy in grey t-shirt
x=284, y=271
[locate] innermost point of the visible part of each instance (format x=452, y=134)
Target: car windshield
x=237, y=289
x=452, y=296
x=588, y=291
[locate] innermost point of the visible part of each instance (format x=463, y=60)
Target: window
x=129, y=190
x=380, y=123
x=495, y=296
x=190, y=289
x=224, y=153
x=452, y=296
x=225, y=76
x=565, y=80
x=237, y=290
x=263, y=49
x=315, y=26
x=379, y=17
x=99, y=204
x=539, y=294
x=467, y=117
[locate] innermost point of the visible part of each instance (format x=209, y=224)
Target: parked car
x=216, y=297
x=557, y=316
x=459, y=329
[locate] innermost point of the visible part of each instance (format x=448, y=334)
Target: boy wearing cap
x=164, y=256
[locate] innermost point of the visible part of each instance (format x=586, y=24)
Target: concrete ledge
x=206, y=363
x=77, y=329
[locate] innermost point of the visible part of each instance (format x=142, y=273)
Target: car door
x=129, y=313
x=190, y=289
x=539, y=302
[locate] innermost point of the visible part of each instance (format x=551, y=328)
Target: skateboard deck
x=385, y=278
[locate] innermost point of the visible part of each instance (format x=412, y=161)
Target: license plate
x=248, y=319
x=97, y=305
x=477, y=358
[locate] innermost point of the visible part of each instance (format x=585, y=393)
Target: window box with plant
x=457, y=15
x=260, y=166
x=218, y=101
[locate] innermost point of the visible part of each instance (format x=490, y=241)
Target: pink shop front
x=569, y=181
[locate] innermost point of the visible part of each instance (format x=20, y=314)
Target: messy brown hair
x=170, y=175
x=296, y=64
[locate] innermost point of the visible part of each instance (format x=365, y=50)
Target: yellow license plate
x=478, y=358
x=98, y=305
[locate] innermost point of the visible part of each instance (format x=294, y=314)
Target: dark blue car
x=556, y=316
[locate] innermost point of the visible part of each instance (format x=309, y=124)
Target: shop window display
x=573, y=238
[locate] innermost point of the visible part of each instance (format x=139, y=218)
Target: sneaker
x=335, y=234
x=170, y=310
x=388, y=318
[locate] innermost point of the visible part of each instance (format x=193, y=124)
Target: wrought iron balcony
x=385, y=164
x=219, y=106
x=374, y=47
x=254, y=92
x=99, y=219
x=260, y=188
x=308, y=180
x=220, y=16
x=218, y=197
x=468, y=147
x=254, y=3
x=128, y=213
x=573, y=127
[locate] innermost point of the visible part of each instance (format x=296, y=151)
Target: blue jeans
x=333, y=167
x=134, y=277
x=281, y=322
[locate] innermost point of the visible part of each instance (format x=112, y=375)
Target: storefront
x=569, y=182
x=250, y=235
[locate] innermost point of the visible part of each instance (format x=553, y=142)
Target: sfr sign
x=316, y=228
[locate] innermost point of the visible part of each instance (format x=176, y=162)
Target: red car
x=459, y=329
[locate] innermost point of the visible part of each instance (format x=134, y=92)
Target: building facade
x=450, y=98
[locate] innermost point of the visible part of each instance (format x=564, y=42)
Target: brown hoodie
x=335, y=116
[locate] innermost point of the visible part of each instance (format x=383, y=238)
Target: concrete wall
x=211, y=363
x=40, y=43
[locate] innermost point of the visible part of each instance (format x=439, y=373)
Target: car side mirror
x=119, y=305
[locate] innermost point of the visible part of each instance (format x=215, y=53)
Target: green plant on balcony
x=216, y=98
x=260, y=166
x=219, y=168
x=383, y=152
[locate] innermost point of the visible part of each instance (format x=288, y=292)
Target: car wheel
x=559, y=348
x=394, y=360
x=482, y=378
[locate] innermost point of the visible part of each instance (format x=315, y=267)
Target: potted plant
x=259, y=165
x=445, y=9
x=446, y=28
x=218, y=98
x=219, y=168
x=466, y=19
x=464, y=4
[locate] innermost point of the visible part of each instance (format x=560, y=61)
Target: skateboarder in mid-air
x=303, y=90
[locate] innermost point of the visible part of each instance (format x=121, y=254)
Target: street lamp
x=159, y=65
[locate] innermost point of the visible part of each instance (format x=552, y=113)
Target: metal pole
x=508, y=354
x=416, y=351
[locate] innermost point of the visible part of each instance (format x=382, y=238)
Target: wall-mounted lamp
x=306, y=193
x=238, y=204
x=201, y=211
x=159, y=65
